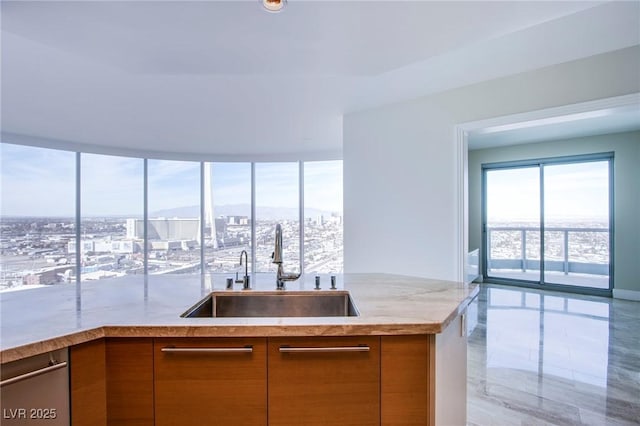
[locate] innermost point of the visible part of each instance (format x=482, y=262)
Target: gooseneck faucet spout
x=245, y=280
x=277, y=252
x=281, y=276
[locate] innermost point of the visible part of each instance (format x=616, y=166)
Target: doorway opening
x=606, y=116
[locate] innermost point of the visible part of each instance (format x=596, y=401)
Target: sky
x=41, y=182
x=572, y=191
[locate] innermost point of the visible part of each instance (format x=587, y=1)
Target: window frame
x=540, y=163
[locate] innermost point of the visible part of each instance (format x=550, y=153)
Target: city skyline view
x=39, y=236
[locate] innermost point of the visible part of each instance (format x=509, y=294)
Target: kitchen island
x=412, y=328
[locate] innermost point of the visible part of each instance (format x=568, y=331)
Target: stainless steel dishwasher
x=35, y=390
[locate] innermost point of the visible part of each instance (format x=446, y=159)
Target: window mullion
x=253, y=218
x=145, y=226
x=542, y=231
x=78, y=233
x=202, y=221
x=301, y=213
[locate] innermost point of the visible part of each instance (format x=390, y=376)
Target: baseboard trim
x=626, y=294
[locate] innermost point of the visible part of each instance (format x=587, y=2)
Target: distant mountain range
x=267, y=213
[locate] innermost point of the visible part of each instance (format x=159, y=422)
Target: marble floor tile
x=548, y=358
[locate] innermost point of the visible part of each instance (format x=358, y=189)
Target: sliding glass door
x=512, y=228
x=564, y=202
x=576, y=224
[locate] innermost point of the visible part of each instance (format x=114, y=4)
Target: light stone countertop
x=39, y=320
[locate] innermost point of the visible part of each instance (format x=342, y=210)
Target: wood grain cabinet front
x=88, y=384
x=221, y=381
x=112, y=382
x=324, y=381
x=407, y=380
x=129, y=378
x=279, y=381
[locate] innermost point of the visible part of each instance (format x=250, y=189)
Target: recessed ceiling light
x=273, y=6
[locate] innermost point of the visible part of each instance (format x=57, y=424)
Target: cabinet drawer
x=324, y=381
x=210, y=381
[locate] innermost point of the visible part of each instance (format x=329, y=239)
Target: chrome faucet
x=281, y=276
x=245, y=279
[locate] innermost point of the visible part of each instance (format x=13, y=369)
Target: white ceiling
x=228, y=78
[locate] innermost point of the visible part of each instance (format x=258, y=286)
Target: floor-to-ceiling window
x=132, y=216
x=173, y=227
x=228, y=216
x=277, y=201
x=112, y=203
x=323, y=250
x=38, y=217
x=566, y=203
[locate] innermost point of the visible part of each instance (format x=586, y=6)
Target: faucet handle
x=245, y=284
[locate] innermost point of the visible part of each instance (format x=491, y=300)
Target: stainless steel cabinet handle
x=288, y=349
x=33, y=373
x=247, y=349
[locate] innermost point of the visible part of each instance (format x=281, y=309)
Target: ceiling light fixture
x=273, y=6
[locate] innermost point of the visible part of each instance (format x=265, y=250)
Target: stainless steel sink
x=274, y=304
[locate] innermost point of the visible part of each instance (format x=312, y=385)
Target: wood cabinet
x=221, y=381
x=407, y=396
x=129, y=379
x=324, y=381
x=88, y=384
x=112, y=382
x=279, y=381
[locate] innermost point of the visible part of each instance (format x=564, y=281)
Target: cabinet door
x=407, y=382
x=88, y=384
x=221, y=381
x=324, y=381
x=129, y=382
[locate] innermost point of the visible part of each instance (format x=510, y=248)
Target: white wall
x=626, y=149
x=400, y=183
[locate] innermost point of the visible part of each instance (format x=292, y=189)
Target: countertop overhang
x=40, y=320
